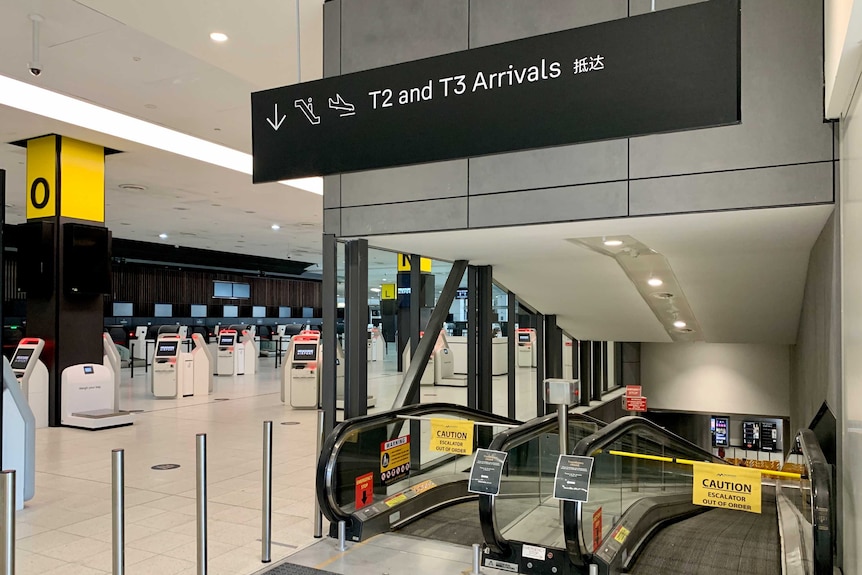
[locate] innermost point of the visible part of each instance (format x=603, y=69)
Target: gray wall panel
x=547, y=168
x=586, y=202
x=385, y=32
x=495, y=21
x=332, y=191
x=429, y=215
x=423, y=182
x=782, y=101
x=332, y=38
x=332, y=221
x=787, y=185
x=643, y=6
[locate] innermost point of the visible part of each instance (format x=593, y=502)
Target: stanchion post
x=118, y=507
x=342, y=536
x=318, y=516
x=477, y=559
x=8, y=486
x=201, y=482
x=266, y=503
x=132, y=360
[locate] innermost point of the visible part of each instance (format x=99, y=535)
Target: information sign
x=751, y=435
x=634, y=390
x=727, y=487
x=597, y=529
x=635, y=404
x=664, y=71
x=768, y=436
x=487, y=472
x=364, y=491
x=719, y=428
x=451, y=436
x=394, y=460
x=572, y=478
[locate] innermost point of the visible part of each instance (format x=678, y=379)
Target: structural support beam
x=410, y=384
x=585, y=371
x=330, y=335
x=472, y=322
x=356, y=329
x=484, y=338
x=2, y=287
x=553, y=348
x=541, y=408
x=599, y=369
x=417, y=294
x=512, y=351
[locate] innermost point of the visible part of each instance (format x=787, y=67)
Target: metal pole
x=342, y=536
x=118, y=519
x=563, y=421
x=8, y=522
x=201, y=481
x=132, y=361
x=477, y=559
x=266, y=503
x=594, y=569
x=318, y=516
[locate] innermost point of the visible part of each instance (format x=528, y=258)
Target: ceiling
x=743, y=272
x=154, y=60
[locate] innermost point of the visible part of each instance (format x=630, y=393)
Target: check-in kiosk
x=302, y=370
x=226, y=346
x=32, y=376
x=19, y=437
x=166, y=366
x=441, y=365
x=249, y=345
x=87, y=398
x=140, y=342
x=111, y=359
x=375, y=344
x=203, y=365
x=526, y=347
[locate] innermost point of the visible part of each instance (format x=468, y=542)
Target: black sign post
x=487, y=472
x=665, y=71
x=572, y=479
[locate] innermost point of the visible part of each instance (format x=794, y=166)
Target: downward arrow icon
x=364, y=497
x=276, y=122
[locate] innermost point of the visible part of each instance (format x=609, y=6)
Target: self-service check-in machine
x=87, y=398
x=375, y=343
x=226, y=347
x=32, y=376
x=441, y=364
x=111, y=359
x=250, y=347
x=301, y=377
x=526, y=347
x=141, y=342
x=203, y=365
x=166, y=366
x=19, y=437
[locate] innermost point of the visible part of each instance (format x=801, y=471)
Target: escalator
x=640, y=518
x=427, y=495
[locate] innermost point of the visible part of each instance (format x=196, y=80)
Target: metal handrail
x=822, y=520
x=508, y=440
x=336, y=440
x=646, y=429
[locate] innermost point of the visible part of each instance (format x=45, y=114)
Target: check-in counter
x=499, y=354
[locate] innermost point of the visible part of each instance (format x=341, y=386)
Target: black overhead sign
x=664, y=71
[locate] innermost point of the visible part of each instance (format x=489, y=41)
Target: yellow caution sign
x=727, y=487
x=387, y=291
x=65, y=172
x=404, y=263
x=452, y=436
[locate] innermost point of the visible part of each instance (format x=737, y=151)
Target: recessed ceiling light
x=275, y=226
x=218, y=37
x=163, y=236
x=654, y=282
x=613, y=243
x=679, y=323
x=132, y=187
x=375, y=290
x=663, y=295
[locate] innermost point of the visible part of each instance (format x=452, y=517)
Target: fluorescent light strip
x=42, y=102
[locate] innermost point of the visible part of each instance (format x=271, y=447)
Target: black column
x=2, y=285
x=598, y=370
x=484, y=338
x=356, y=329
x=585, y=370
x=472, y=359
x=512, y=351
x=416, y=303
x=553, y=348
x=330, y=331
x=541, y=408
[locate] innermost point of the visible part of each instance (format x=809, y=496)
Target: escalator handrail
x=504, y=441
x=822, y=520
x=576, y=546
x=332, y=445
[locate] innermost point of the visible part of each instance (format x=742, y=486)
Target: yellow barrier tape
x=641, y=456
x=692, y=462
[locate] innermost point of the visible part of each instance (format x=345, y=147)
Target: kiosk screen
x=768, y=436
x=305, y=352
x=751, y=434
x=719, y=427
x=224, y=340
x=21, y=359
x=167, y=348
x=524, y=337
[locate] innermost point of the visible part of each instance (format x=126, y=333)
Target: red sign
x=364, y=491
x=636, y=404
x=597, y=530
x=634, y=391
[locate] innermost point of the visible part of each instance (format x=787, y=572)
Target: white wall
x=717, y=378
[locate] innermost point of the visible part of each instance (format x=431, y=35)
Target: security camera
x=35, y=69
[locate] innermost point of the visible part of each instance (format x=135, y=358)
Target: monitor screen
x=167, y=348
x=524, y=337
x=88, y=370
x=751, y=435
x=284, y=311
x=241, y=290
x=719, y=426
x=124, y=309
x=21, y=359
x=258, y=311
x=222, y=289
x=305, y=352
x=224, y=340
x=199, y=310
x=768, y=436
x=231, y=311
x=163, y=310
x=308, y=312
